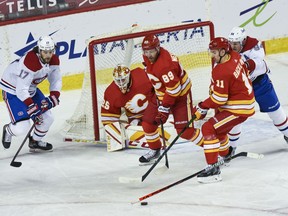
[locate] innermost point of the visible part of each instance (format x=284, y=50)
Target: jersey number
x=247, y=83
x=106, y=105
x=23, y=74
x=220, y=83
x=167, y=77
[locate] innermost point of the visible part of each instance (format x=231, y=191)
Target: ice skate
x=6, y=137
x=227, y=158
x=286, y=138
x=150, y=157
x=210, y=175
x=39, y=146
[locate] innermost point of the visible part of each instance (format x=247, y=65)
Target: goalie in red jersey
x=232, y=96
x=173, y=89
x=133, y=92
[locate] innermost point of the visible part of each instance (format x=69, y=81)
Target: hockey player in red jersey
x=132, y=91
x=232, y=96
x=253, y=54
x=25, y=100
x=173, y=89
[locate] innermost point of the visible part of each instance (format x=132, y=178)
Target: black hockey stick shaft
x=167, y=149
x=18, y=163
x=243, y=154
x=164, y=145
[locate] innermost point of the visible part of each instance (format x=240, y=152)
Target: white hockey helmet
x=46, y=43
x=121, y=76
x=237, y=34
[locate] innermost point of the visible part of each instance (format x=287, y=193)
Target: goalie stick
x=126, y=180
x=219, y=163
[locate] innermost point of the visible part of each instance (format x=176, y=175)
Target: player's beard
x=47, y=60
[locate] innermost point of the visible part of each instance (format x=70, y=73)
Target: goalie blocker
x=122, y=135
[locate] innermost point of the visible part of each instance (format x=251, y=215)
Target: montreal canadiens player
x=253, y=54
x=25, y=100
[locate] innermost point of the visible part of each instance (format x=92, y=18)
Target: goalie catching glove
x=51, y=101
x=199, y=112
x=162, y=116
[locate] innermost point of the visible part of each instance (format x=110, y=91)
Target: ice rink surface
x=82, y=179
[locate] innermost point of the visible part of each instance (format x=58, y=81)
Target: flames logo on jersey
x=137, y=104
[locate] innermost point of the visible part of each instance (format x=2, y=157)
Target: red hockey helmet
x=220, y=43
x=150, y=42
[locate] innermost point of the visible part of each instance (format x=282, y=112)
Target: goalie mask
x=121, y=77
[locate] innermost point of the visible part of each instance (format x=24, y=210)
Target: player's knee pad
x=20, y=128
x=48, y=119
x=149, y=127
x=208, y=131
x=187, y=134
x=192, y=134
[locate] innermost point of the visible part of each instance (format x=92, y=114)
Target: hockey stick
x=219, y=163
x=141, y=179
x=164, y=144
x=166, y=167
x=18, y=163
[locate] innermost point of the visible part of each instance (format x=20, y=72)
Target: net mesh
x=189, y=44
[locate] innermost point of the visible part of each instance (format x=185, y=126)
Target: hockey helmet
x=150, y=42
x=219, y=43
x=46, y=43
x=237, y=34
x=121, y=76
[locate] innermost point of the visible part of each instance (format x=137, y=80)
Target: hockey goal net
x=189, y=42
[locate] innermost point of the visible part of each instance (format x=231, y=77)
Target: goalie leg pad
x=115, y=135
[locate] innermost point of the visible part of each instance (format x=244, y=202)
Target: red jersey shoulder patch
x=31, y=61
x=250, y=43
x=54, y=60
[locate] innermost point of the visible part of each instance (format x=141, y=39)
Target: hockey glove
x=162, y=116
x=35, y=114
x=199, y=112
x=50, y=101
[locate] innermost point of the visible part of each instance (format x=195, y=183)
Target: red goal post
x=188, y=41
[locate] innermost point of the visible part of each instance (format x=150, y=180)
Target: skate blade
x=209, y=179
x=39, y=150
x=148, y=163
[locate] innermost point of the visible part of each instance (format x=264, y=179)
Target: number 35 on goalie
x=121, y=135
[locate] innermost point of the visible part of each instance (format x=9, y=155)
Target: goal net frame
x=127, y=36
x=189, y=41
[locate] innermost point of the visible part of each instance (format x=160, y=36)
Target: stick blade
x=128, y=180
x=255, y=155
x=16, y=164
x=161, y=170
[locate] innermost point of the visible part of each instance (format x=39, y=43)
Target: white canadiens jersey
x=253, y=49
x=23, y=75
